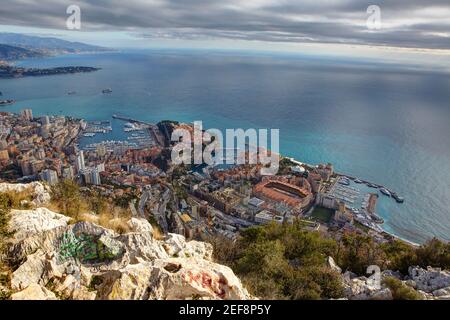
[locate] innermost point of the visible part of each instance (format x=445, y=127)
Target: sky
x=409, y=29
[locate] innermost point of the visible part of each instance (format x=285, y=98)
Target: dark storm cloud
x=405, y=23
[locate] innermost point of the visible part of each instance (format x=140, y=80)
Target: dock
x=131, y=120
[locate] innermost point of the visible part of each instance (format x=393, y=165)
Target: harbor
x=384, y=190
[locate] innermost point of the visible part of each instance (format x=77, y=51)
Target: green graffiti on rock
x=88, y=249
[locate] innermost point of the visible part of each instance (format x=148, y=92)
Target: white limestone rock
x=140, y=225
x=177, y=246
x=429, y=280
x=173, y=279
x=362, y=288
x=442, y=292
x=39, y=192
x=29, y=222
x=34, y=292
x=85, y=261
x=333, y=265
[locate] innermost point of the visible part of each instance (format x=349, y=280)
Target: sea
x=383, y=122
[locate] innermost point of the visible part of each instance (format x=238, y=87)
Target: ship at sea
x=106, y=91
x=6, y=102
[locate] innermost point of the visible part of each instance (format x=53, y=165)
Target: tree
x=399, y=255
x=358, y=252
x=312, y=283
x=434, y=253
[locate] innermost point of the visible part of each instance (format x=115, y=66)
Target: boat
x=371, y=185
x=105, y=91
x=70, y=93
x=385, y=192
x=344, y=181
x=6, y=102
x=89, y=135
x=358, y=181
x=398, y=198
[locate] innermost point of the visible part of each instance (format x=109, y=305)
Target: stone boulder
x=362, y=288
x=39, y=192
x=177, y=246
x=333, y=265
x=429, y=280
x=172, y=279
x=34, y=292
x=84, y=261
x=26, y=223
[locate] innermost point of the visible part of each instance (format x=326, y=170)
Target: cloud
x=405, y=23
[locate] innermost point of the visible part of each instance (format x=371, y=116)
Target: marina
x=383, y=190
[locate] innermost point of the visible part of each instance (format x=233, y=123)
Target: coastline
x=375, y=157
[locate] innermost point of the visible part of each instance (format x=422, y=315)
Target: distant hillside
x=45, y=45
x=8, y=52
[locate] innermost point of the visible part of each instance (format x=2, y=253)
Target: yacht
x=358, y=181
x=385, y=192
x=6, y=102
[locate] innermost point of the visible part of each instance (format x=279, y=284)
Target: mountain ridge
x=16, y=46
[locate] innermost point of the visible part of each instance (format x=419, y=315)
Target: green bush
x=401, y=291
x=282, y=262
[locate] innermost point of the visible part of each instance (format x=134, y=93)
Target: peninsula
x=7, y=71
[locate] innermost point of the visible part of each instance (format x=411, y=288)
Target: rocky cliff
x=429, y=284
x=60, y=259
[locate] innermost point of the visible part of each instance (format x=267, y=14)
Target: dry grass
x=115, y=219
x=157, y=233
x=19, y=200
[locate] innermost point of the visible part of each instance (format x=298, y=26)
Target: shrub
x=401, y=291
x=434, y=253
x=284, y=262
x=67, y=197
x=399, y=256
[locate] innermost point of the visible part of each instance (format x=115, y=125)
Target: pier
x=375, y=186
x=130, y=120
x=394, y=195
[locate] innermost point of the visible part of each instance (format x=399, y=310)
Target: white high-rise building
x=80, y=166
x=27, y=114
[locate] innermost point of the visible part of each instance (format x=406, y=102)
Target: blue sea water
x=385, y=123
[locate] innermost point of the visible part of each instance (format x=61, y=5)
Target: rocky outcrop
x=34, y=292
x=362, y=288
x=433, y=282
x=26, y=223
x=37, y=190
x=85, y=261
